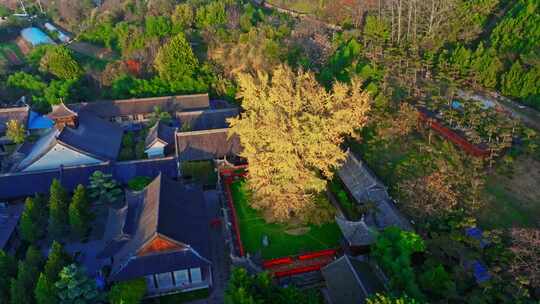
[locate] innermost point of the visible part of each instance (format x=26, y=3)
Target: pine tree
x=27, y=275
x=46, y=291
x=79, y=214
x=58, y=204
x=175, y=60
x=291, y=134
x=8, y=269
x=56, y=260
x=512, y=83
x=33, y=219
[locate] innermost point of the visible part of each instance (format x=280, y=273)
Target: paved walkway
x=220, y=255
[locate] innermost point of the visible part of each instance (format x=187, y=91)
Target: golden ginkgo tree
x=291, y=131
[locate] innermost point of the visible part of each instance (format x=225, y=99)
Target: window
x=181, y=277
x=164, y=280
x=150, y=282
x=196, y=276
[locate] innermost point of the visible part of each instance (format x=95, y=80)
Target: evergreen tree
x=56, y=260
x=511, y=83
x=75, y=287
x=27, y=275
x=8, y=270
x=46, y=291
x=175, y=60
x=79, y=214
x=33, y=219
x=59, y=61
x=59, y=205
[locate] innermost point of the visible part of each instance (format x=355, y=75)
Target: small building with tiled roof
x=141, y=109
x=162, y=235
x=206, y=145
x=159, y=141
x=350, y=281
x=78, y=139
x=364, y=187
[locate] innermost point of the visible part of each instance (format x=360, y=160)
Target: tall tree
x=175, y=60
x=33, y=219
x=46, y=292
x=59, y=61
x=58, y=209
x=291, y=134
x=79, y=212
x=8, y=269
x=27, y=275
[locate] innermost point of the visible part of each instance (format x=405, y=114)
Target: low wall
x=20, y=185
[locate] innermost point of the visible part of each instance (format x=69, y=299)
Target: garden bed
x=281, y=243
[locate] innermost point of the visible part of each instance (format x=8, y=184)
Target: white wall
x=156, y=150
x=61, y=155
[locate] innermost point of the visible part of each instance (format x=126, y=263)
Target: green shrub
x=138, y=183
x=128, y=292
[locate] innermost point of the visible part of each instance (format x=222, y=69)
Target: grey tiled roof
x=364, y=186
x=19, y=185
x=350, y=281
x=112, y=108
x=9, y=218
x=357, y=233
x=94, y=136
x=169, y=209
x=206, y=119
x=206, y=145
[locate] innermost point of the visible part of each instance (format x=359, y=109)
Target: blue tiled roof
x=480, y=272
x=37, y=121
x=35, y=36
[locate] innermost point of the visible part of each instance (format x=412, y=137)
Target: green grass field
x=253, y=227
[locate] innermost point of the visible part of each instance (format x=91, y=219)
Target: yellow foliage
x=291, y=131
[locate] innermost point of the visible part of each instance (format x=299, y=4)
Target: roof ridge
x=14, y=109
x=156, y=98
x=202, y=132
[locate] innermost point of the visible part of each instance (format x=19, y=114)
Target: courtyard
x=282, y=239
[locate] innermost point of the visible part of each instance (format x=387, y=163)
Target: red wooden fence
x=452, y=136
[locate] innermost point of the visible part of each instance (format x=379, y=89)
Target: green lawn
x=200, y=171
x=253, y=227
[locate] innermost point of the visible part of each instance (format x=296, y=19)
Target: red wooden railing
x=292, y=265
x=452, y=136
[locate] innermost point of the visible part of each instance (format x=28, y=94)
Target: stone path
x=220, y=258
